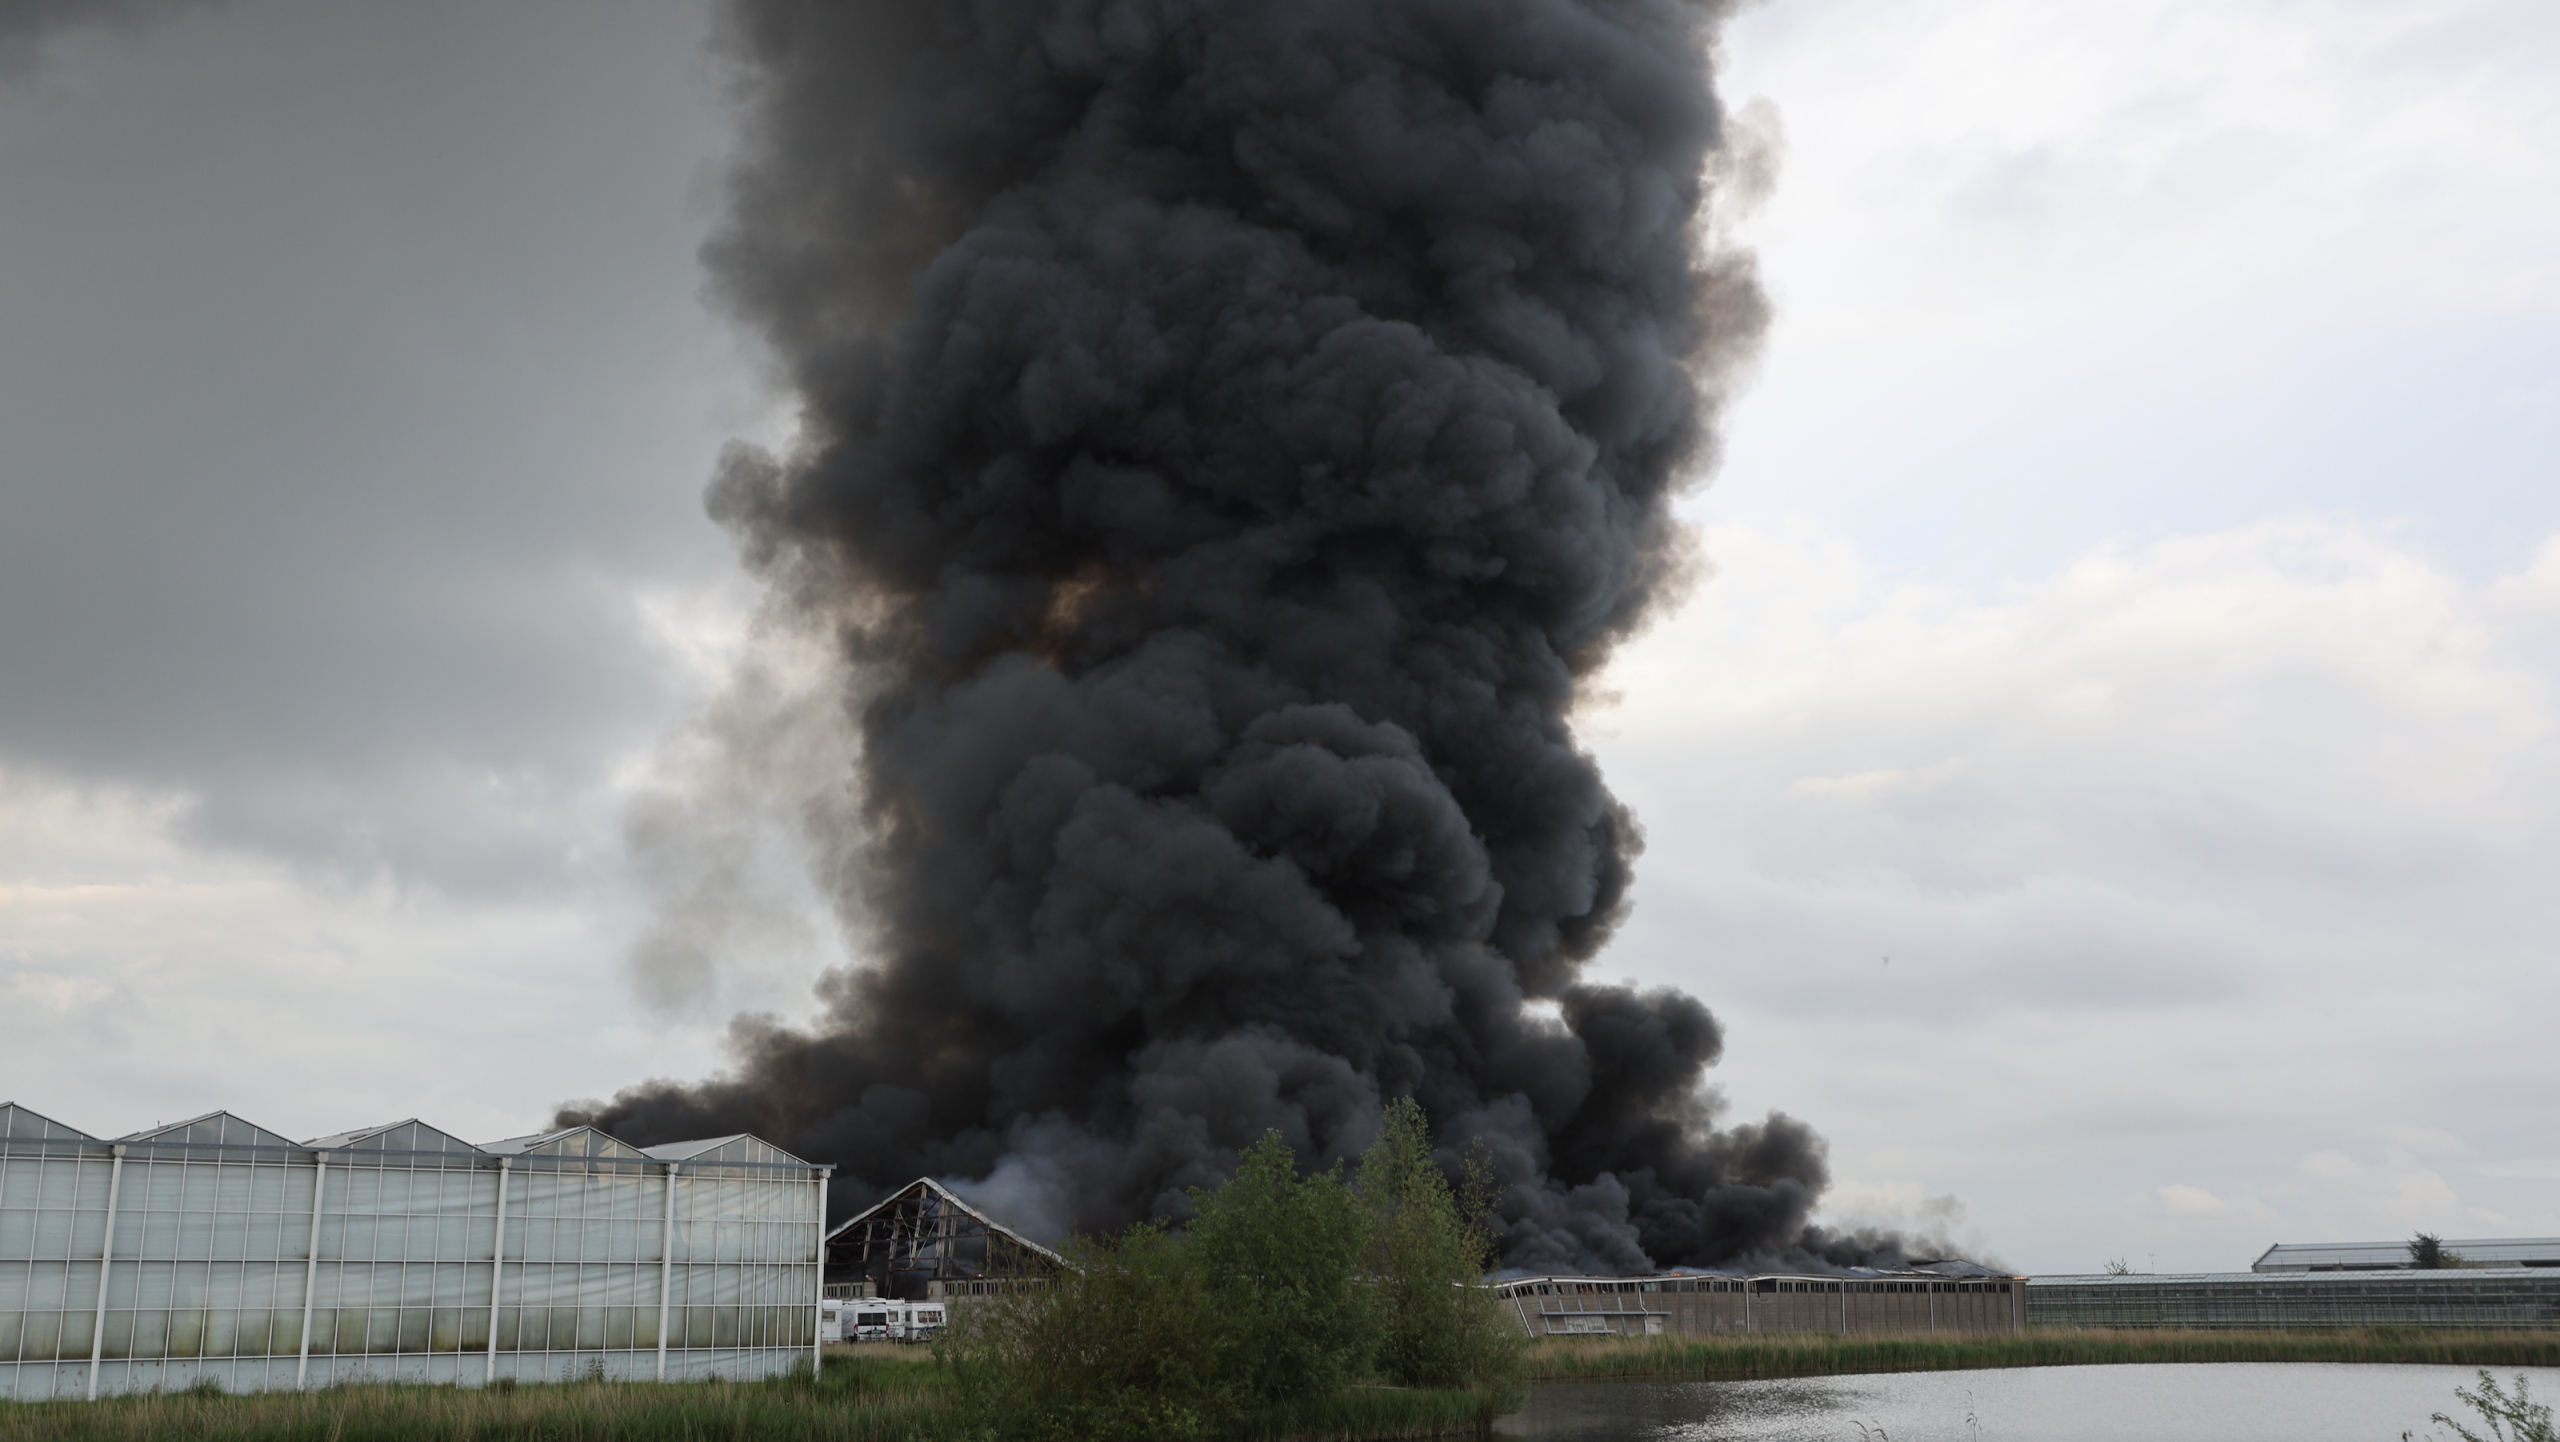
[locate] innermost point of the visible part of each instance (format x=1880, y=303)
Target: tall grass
x=863, y=1398
x=1814, y=1355
x=849, y=1403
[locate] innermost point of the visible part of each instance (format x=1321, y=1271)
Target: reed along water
x=2221, y=1402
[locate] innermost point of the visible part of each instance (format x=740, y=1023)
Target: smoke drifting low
x=1232, y=430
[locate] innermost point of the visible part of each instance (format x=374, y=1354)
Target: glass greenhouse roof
x=17, y=1121
x=412, y=1137
x=2384, y=1256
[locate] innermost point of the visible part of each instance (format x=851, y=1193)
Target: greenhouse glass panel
x=2486, y=1297
x=436, y=1260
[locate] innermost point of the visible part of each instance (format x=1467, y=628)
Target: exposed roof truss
x=922, y=1232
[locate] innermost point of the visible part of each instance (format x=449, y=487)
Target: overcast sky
x=2109, y=786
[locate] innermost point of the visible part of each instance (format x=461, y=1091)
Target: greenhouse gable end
x=398, y=1252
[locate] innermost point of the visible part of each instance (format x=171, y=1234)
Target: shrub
x=2516, y=1418
x=1282, y=1292
x=1281, y=1254
x=1125, y=1344
x=1439, y=1325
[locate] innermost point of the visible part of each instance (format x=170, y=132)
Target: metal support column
x=497, y=1268
x=818, y=1323
x=106, y=1258
x=1844, y=1309
x=310, y=1268
x=666, y=1268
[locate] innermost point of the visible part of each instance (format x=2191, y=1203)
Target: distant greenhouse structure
x=2401, y=1257
x=397, y=1252
x=2481, y=1297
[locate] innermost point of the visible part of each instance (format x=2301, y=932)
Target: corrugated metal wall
x=1870, y=1305
x=213, y=1272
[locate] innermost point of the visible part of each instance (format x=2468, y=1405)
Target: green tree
x=1284, y=1288
x=1282, y=1254
x=1125, y=1345
x=2427, y=1253
x=1438, y=1324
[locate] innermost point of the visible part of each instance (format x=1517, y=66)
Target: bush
x=1281, y=1254
x=1126, y=1343
x=1439, y=1324
x=1282, y=1292
x=2510, y=1418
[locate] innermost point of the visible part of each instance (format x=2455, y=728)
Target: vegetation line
x=1745, y=1357
x=858, y=1398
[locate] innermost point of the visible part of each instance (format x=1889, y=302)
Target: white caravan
x=875, y=1319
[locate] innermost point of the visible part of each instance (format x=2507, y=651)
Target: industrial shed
x=2484, y=1297
x=1862, y=1301
x=921, y=1242
x=397, y=1252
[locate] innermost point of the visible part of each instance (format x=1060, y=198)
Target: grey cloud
x=354, y=379
x=27, y=26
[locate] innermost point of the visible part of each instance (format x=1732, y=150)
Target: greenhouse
x=2398, y=1257
x=397, y=1252
x=2486, y=1297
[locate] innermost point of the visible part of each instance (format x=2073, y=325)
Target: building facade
x=399, y=1253
x=1861, y=1303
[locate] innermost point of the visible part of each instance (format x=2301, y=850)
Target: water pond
x=2219, y=1402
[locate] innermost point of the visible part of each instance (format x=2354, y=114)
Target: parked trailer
x=873, y=1319
x=867, y=1320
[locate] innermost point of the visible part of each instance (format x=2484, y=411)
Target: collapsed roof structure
x=923, y=1241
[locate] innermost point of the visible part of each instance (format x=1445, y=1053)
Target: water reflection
x=2227, y=1402
x=1611, y=1411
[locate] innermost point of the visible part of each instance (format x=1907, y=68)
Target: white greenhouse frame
x=396, y=1253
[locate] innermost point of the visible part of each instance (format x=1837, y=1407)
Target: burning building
x=921, y=1243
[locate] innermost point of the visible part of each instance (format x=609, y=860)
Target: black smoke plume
x=1231, y=432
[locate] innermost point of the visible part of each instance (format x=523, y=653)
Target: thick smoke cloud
x=1232, y=432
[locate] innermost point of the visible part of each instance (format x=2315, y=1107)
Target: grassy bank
x=1601, y=1359
x=854, y=1400
x=895, y=1395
